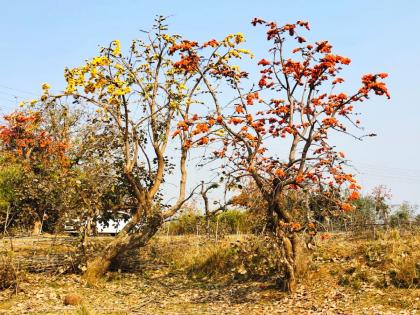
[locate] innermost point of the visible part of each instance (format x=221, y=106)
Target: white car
x=112, y=227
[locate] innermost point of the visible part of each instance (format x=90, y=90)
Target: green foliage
x=403, y=215
x=10, y=177
x=228, y=222
x=365, y=211
x=37, y=187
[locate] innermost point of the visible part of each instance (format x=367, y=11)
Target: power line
x=387, y=168
x=8, y=99
x=17, y=90
x=10, y=94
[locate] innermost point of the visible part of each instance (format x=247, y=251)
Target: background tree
x=38, y=158
x=403, y=216
x=209, y=211
x=10, y=176
x=381, y=196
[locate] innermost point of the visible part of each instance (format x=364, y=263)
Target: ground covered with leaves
x=188, y=275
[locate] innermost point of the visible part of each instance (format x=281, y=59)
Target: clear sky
x=40, y=38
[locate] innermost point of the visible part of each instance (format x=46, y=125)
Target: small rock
x=72, y=299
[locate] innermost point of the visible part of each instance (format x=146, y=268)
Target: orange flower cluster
x=188, y=63
x=212, y=43
x=201, y=128
x=295, y=226
x=263, y=62
x=256, y=21
x=274, y=30
x=185, y=45
x=203, y=140
x=331, y=60
x=370, y=82
x=251, y=97
x=354, y=195
x=323, y=47
x=295, y=68
x=279, y=172
x=21, y=136
x=329, y=121
x=346, y=207
x=325, y=236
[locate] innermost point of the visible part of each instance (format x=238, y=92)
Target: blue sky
x=40, y=38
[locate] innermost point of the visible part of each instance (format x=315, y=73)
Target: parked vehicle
x=111, y=227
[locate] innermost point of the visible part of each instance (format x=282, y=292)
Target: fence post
x=7, y=219
x=217, y=227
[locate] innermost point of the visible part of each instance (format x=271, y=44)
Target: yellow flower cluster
x=100, y=61
x=233, y=39
x=95, y=76
x=169, y=38
x=117, y=47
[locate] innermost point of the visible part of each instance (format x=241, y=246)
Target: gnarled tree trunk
x=295, y=262
x=124, y=240
x=293, y=248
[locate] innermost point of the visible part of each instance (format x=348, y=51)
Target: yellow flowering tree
x=151, y=97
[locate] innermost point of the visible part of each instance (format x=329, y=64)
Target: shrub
x=254, y=258
x=10, y=275
x=406, y=274
x=228, y=222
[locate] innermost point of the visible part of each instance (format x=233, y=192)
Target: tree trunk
x=295, y=257
x=6, y=222
x=289, y=282
x=85, y=231
x=207, y=225
x=124, y=240
x=296, y=261
x=36, y=229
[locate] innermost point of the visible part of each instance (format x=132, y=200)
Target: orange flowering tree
x=150, y=97
x=296, y=103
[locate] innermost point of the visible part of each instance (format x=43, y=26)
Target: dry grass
x=10, y=274
x=390, y=261
x=236, y=257
x=190, y=274
x=185, y=252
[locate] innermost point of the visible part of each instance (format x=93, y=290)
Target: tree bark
x=295, y=258
x=6, y=222
x=36, y=228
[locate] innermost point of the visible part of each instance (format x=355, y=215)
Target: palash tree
x=144, y=96
x=39, y=155
x=296, y=103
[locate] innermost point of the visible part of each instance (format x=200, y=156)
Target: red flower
x=263, y=62
x=354, y=195
x=239, y=109
x=301, y=39
x=256, y=21
x=212, y=43
x=203, y=140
